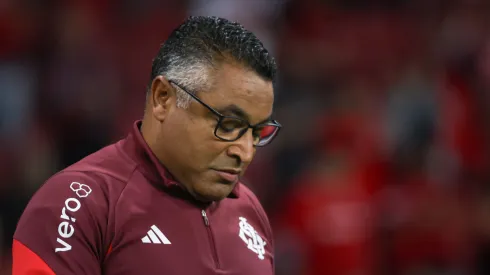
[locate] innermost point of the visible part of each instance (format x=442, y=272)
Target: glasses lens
x=267, y=134
x=230, y=128
x=267, y=131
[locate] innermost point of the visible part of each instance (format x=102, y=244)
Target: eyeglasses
x=231, y=128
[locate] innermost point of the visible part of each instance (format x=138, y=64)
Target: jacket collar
x=148, y=163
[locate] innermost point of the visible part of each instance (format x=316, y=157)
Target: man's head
x=209, y=104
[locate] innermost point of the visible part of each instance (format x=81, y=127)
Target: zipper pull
x=205, y=217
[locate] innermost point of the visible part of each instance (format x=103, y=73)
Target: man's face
x=204, y=164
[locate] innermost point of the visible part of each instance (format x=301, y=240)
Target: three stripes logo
x=155, y=236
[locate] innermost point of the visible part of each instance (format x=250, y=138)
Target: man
x=167, y=199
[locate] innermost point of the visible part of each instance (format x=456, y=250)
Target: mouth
x=228, y=175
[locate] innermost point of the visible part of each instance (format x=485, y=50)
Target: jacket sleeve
x=62, y=228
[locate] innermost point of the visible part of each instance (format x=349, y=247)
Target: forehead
x=238, y=86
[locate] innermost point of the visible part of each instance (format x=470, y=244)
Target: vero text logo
x=72, y=205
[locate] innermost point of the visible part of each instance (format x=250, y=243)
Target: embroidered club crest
x=251, y=238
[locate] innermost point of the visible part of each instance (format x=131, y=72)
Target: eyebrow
x=239, y=112
x=235, y=110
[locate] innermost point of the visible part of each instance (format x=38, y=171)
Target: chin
x=213, y=192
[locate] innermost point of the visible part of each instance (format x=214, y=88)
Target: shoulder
x=79, y=197
x=82, y=186
x=66, y=220
x=109, y=162
x=67, y=195
x=104, y=174
x=95, y=179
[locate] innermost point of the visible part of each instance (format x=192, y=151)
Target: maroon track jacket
x=118, y=211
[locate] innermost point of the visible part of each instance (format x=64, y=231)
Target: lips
x=229, y=175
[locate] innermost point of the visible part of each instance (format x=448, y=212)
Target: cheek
x=179, y=138
x=204, y=146
x=194, y=141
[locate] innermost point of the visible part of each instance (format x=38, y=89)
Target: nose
x=243, y=149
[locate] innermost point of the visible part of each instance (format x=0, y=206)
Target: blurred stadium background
x=383, y=163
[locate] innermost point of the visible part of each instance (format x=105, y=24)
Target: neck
x=148, y=134
x=149, y=130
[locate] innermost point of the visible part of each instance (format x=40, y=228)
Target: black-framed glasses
x=231, y=128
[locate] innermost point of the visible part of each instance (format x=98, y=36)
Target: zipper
x=211, y=238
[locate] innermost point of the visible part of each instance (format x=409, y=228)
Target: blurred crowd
x=382, y=167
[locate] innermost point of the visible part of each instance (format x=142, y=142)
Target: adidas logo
x=155, y=236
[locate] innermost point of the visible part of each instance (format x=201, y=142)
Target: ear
x=162, y=97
